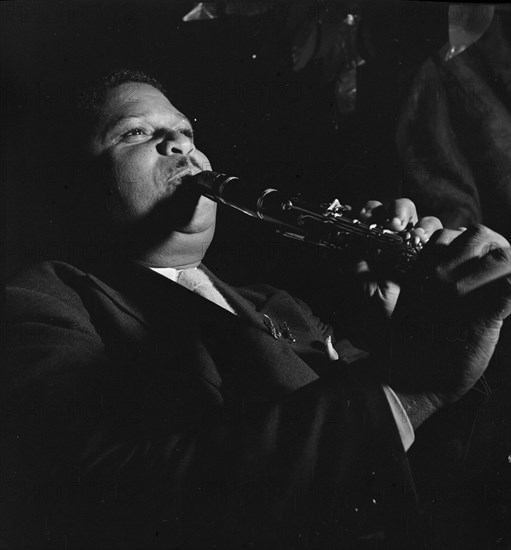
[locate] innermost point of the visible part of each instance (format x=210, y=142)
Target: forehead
x=135, y=97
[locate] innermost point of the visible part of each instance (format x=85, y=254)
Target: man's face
x=147, y=147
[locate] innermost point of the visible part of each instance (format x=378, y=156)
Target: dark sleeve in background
x=454, y=134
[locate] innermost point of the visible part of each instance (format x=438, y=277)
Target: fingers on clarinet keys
x=415, y=237
x=374, y=212
x=399, y=215
x=425, y=228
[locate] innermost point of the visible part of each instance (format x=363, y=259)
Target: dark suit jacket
x=140, y=415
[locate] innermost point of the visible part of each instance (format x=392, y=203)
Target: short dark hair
x=91, y=98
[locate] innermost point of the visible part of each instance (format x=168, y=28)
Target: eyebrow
x=111, y=125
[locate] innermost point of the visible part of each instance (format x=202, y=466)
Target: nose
x=176, y=143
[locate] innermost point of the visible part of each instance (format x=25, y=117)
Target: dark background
x=254, y=116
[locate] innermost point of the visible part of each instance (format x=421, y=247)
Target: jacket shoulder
x=45, y=273
x=47, y=286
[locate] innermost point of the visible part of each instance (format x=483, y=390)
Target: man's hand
x=448, y=318
x=399, y=216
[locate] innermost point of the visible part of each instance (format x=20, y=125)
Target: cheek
x=134, y=185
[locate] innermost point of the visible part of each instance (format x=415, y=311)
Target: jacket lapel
x=239, y=348
x=141, y=293
x=246, y=310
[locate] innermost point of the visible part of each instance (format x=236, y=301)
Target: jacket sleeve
x=97, y=461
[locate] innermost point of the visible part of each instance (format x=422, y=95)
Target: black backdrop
x=254, y=116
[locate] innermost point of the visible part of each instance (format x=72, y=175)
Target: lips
x=186, y=171
x=185, y=168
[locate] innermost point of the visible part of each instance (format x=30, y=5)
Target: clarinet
x=328, y=225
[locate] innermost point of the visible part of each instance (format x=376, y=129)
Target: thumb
x=366, y=278
x=388, y=294
x=385, y=292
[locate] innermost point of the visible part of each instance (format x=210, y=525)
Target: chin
x=203, y=219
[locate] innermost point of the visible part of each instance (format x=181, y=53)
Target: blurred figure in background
x=454, y=132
